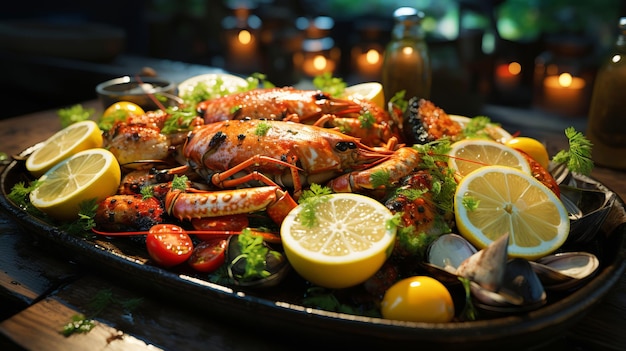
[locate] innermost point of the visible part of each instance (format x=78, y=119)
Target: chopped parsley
x=367, y=120
x=470, y=202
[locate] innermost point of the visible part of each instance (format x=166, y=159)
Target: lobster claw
x=279, y=209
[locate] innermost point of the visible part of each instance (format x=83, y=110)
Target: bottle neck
x=407, y=30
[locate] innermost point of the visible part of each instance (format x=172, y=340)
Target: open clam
x=445, y=254
x=567, y=270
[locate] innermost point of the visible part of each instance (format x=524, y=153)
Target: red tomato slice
x=208, y=255
x=168, y=245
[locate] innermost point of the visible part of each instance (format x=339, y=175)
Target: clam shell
x=567, y=270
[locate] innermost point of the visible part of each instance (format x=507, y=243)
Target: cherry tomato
x=208, y=255
x=418, y=299
x=169, y=245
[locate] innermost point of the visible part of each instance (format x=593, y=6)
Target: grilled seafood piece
x=424, y=122
x=358, y=118
x=274, y=152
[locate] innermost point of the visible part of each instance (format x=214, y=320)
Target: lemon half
x=510, y=201
x=66, y=142
x=372, y=91
x=348, y=244
x=89, y=174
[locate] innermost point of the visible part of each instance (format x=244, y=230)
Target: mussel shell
x=521, y=290
x=588, y=209
x=278, y=267
x=567, y=270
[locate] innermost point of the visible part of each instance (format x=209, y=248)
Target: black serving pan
x=277, y=310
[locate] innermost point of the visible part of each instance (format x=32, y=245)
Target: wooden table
x=41, y=289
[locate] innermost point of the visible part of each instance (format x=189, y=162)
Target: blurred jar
x=406, y=62
x=607, y=116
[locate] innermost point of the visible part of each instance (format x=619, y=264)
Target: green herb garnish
x=180, y=119
x=470, y=203
x=262, y=128
x=102, y=300
x=469, y=312
x=180, y=182
x=399, y=100
x=380, y=178
x=578, y=157
x=85, y=222
x=73, y=114
x=367, y=120
x=332, y=85
x=255, y=254
x=478, y=126
x=310, y=200
x=19, y=194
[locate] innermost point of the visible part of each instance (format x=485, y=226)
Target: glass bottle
x=406, y=64
x=606, y=127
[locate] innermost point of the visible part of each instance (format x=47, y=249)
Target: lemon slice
x=66, y=142
x=510, y=201
x=533, y=147
x=348, y=243
x=495, y=132
x=372, y=91
x=229, y=83
x=86, y=175
x=469, y=154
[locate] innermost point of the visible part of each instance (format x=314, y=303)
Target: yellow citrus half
x=372, y=91
x=125, y=107
x=509, y=201
x=89, y=174
x=347, y=244
x=418, y=299
x=533, y=147
x=66, y=142
x=469, y=154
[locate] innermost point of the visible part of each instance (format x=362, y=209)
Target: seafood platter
x=312, y=138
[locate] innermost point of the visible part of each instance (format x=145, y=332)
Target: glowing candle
x=508, y=76
x=317, y=64
x=242, y=50
x=564, y=94
x=368, y=63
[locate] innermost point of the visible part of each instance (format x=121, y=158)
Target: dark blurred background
x=53, y=53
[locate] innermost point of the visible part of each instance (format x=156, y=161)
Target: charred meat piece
x=425, y=122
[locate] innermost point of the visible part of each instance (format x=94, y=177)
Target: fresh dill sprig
x=578, y=157
x=327, y=83
x=73, y=114
x=310, y=200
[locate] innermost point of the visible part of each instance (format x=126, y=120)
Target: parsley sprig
x=310, y=200
x=578, y=157
x=255, y=255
